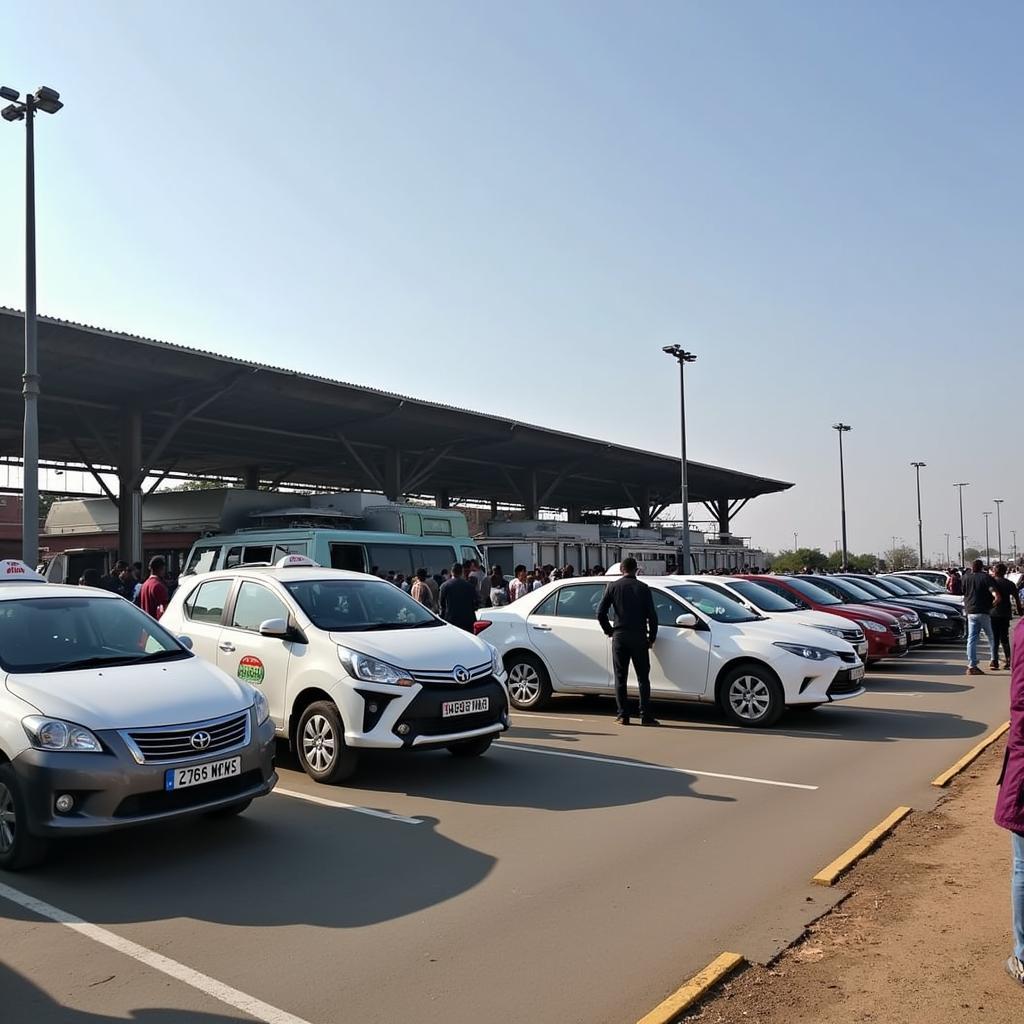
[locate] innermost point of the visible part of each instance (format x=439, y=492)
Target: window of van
x=433, y=527
x=348, y=556
x=202, y=560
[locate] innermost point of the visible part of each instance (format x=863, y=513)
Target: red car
x=886, y=637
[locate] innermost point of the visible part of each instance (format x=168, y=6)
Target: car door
x=202, y=615
x=565, y=631
x=681, y=654
x=260, y=660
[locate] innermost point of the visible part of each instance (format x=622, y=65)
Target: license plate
x=862, y=649
x=197, y=774
x=470, y=706
x=857, y=673
x=902, y=642
x=917, y=634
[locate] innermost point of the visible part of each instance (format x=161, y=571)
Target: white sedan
x=709, y=649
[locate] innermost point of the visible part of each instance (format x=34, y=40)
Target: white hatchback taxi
x=107, y=720
x=709, y=648
x=347, y=661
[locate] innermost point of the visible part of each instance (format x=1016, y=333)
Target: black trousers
x=626, y=648
x=1001, y=628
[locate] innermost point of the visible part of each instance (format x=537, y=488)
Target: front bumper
x=112, y=791
x=887, y=645
x=423, y=725
x=945, y=630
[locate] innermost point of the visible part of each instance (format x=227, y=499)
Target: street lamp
x=986, y=515
x=683, y=357
x=48, y=101
x=999, y=526
x=794, y=542
x=1013, y=533
x=842, y=428
x=918, y=466
x=961, y=488
x=948, y=559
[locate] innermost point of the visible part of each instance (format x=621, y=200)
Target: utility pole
x=963, y=542
x=918, y=466
x=947, y=549
x=683, y=357
x=999, y=526
x=842, y=428
x=987, y=549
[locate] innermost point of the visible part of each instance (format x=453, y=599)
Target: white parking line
x=505, y=745
x=557, y=718
x=309, y=798
x=210, y=986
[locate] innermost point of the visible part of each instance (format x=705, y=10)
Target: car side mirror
x=687, y=621
x=186, y=642
x=276, y=628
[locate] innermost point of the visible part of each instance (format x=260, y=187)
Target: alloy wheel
x=750, y=697
x=8, y=819
x=523, y=683
x=319, y=744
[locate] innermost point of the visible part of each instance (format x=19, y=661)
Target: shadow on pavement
x=22, y=1002
x=903, y=684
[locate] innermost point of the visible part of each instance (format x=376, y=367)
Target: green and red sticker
x=250, y=670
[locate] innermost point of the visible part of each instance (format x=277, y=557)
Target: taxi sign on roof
x=13, y=571
x=294, y=561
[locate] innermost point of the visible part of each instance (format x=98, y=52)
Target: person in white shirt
x=518, y=587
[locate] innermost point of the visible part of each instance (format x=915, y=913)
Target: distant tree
x=198, y=485
x=857, y=563
x=794, y=561
x=901, y=557
x=970, y=554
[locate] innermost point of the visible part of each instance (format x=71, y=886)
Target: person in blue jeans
x=1010, y=806
x=979, y=596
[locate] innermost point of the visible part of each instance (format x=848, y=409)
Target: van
x=356, y=550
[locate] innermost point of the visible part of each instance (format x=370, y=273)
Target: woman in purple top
x=1010, y=802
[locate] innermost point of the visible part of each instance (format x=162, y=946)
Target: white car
x=774, y=606
x=709, y=648
x=107, y=720
x=347, y=661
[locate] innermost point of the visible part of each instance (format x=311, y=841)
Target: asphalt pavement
x=578, y=872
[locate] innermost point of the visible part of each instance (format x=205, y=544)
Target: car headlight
x=936, y=615
x=803, y=651
x=496, y=666
x=370, y=670
x=53, y=734
x=261, y=704
x=875, y=627
x=832, y=630
x=911, y=620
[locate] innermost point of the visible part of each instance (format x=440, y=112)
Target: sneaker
x=994, y=665
x=649, y=720
x=975, y=671
x=622, y=719
x=1015, y=969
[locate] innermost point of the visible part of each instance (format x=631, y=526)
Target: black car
x=943, y=621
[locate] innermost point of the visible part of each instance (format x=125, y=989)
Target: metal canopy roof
x=302, y=429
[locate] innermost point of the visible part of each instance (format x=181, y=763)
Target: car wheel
x=18, y=848
x=231, y=810
x=471, y=748
x=529, y=685
x=752, y=696
x=320, y=738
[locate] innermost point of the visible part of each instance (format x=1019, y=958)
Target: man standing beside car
x=979, y=596
x=459, y=600
x=633, y=636
x=1006, y=598
x=154, y=596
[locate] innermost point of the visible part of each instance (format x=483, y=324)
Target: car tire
x=231, y=810
x=320, y=741
x=751, y=696
x=19, y=849
x=529, y=685
x=471, y=748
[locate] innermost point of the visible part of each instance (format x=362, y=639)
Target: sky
x=513, y=207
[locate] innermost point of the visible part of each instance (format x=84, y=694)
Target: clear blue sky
x=512, y=207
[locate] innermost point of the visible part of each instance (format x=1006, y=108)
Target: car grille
x=153, y=746
x=446, y=677
x=896, y=630
x=849, y=657
x=853, y=636
x=843, y=684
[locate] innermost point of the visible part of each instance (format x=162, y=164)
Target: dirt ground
x=921, y=940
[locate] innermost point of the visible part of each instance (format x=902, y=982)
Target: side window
x=775, y=589
x=433, y=557
x=469, y=554
x=667, y=609
x=391, y=556
x=547, y=606
x=348, y=556
x=260, y=553
x=206, y=602
x=255, y=604
x=233, y=558
x=436, y=527
x=280, y=550
x=202, y=560
x=580, y=602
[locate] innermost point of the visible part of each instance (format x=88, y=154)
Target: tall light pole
x=986, y=515
x=842, y=428
x=918, y=466
x=683, y=357
x=961, y=487
x=1013, y=533
x=48, y=101
x=794, y=541
x=999, y=526
x=947, y=550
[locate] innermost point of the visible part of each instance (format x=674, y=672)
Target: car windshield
x=919, y=585
x=871, y=588
x=63, y=633
x=716, y=606
x=761, y=597
x=349, y=606
x=852, y=591
x=813, y=593
x=895, y=585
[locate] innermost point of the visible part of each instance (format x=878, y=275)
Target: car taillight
x=480, y=625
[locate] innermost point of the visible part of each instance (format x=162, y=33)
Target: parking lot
x=577, y=872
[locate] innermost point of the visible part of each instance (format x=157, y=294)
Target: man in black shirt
x=979, y=596
x=633, y=635
x=459, y=600
x=1006, y=597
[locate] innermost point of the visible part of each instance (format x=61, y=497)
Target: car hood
x=774, y=631
x=818, y=620
x=435, y=649
x=865, y=611
x=134, y=696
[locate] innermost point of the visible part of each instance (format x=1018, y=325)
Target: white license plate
x=857, y=673
x=917, y=634
x=902, y=642
x=471, y=706
x=197, y=774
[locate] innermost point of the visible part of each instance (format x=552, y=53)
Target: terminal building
x=140, y=414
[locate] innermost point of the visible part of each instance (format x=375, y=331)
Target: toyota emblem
x=460, y=674
x=200, y=740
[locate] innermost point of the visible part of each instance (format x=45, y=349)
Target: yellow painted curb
x=828, y=875
x=696, y=988
x=950, y=773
